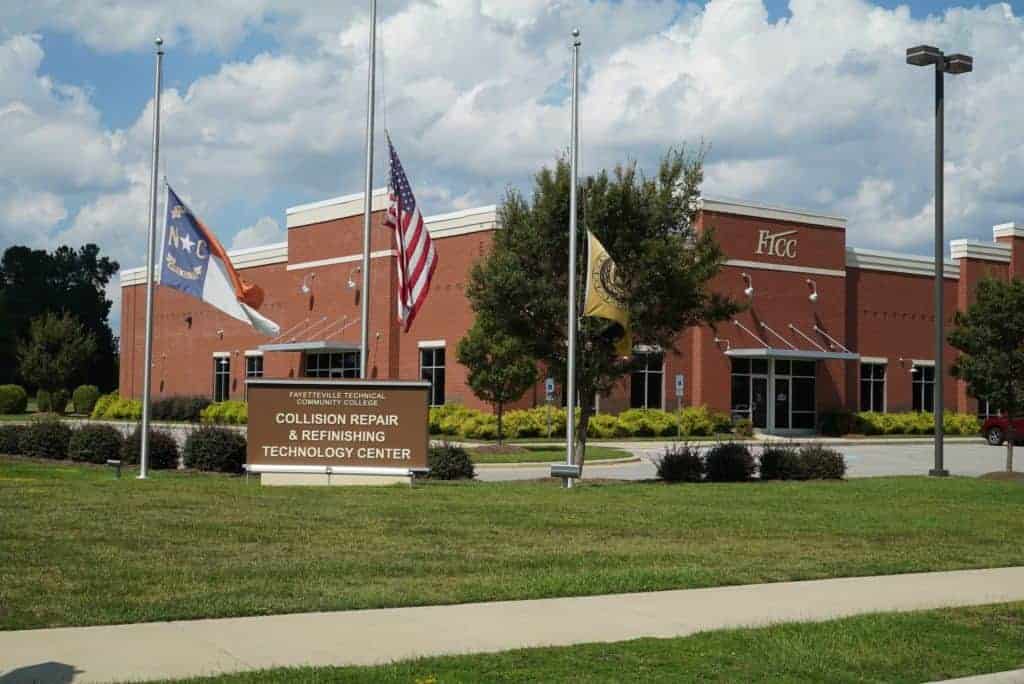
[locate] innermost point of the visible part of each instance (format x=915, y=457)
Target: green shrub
x=45, y=438
x=837, y=423
x=215, y=449
x=680, y=463
x=744, y=427
x=821, y=463
x=696, y=421
x=602, y=426
x=524, y=423
x=10, y=436
x=43, y=402
x=729, y=462
x=163, y=450
x=965, y=424
x=781, y=462
x=721, y=422
x=95, y=443
x=85, y=398
x=635, y=423
x=230, y=412
x=123, y=409
x=182, y=408
x=102, y=405
x=483, y=426
x=449, y=462
x=13, y=399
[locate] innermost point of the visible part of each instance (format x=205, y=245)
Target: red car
x=995, y=428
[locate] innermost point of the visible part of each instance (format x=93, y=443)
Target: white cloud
x=816, y=111
x=264, y=232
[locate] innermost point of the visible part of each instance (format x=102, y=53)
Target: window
x=872, y=387
x=221, y=378
x=432, y=370
x=923, y=388
x=253, y=368
x=750, y=391
x=986, y=409
x=646, y=381
x=331, y=365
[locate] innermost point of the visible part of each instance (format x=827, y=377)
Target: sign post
x=337, y=431
x=680, y=386
x=549, y=396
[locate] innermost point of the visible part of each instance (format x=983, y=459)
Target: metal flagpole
x=364, y=331
x=570, y=420
x=150, y=267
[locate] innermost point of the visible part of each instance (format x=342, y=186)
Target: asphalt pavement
x=965, y=458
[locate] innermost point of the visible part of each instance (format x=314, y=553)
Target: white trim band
x=431, y=344
x=253, y=352
x=222, y=355
x=774, y=213
x=893, y=262
x=984, y=251
x=1010, y=230
x=340, y=260
x=926, y=363
x=766, y=266
x=874, y=360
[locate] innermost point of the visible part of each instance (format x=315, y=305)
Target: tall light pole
x=926, y=55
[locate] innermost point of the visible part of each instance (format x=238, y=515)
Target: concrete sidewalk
x=364, y=637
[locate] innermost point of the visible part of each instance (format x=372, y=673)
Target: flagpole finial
x=576, y=36
x=159, y=42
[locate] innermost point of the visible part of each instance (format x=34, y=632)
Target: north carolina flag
x=194, y=262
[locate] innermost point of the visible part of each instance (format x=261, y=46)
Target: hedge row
x=226, y=413
x=115, y=407
x=735, y=462
x=908, y=423
x=208, y=448
x=459, y=421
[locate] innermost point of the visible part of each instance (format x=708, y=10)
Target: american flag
x=417, y=258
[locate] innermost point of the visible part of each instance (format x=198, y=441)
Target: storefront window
x=923, y=387
x=253, y=368
x=221, y=378
x=872, y=387
x=331, y=365
x=432, y=370
x=646, y=382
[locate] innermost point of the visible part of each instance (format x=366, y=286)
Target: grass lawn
x=78, y=547
x=542, y=454
x=908, y=647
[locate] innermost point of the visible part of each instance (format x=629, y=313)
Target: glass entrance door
x=782, y=390
x=759, y=401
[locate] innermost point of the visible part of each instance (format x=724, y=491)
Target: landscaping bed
x=510, y=453
x=78, y=547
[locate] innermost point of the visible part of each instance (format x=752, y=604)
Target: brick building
x=828, y=327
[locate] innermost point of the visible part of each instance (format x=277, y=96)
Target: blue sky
x=805, y=103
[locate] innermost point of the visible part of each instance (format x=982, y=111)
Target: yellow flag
x=601, y=299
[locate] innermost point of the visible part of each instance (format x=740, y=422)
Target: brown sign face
x=338, y=423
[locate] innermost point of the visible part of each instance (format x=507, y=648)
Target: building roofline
x=984, y=251
x=894, y=262
x=1007, y=230
x=725, y=206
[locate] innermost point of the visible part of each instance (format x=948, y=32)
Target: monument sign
x=351, y=430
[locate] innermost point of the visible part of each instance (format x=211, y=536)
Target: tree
x=663, y=269
x=33, y=282
x=56, y=353
x=990, y=338
x=500, y=366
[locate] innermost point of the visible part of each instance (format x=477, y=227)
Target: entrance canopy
x=313, y=335
x=803, y=355
x=310, y=345
x=835, y=350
